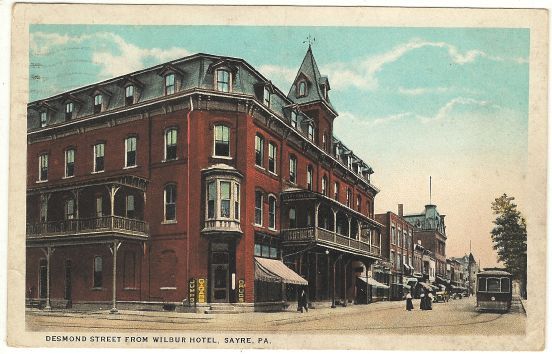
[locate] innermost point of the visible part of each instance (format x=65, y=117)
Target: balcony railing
x=308, y=234
x=83, y=226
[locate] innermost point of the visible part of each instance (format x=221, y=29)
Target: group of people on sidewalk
x=426, y=301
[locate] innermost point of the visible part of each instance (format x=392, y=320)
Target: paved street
x=455, y=317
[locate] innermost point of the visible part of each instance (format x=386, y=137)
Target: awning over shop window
x=373, y=282
x=273, y=270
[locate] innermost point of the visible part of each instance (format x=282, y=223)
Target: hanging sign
x=201, y=290
x=192, y=288
x=241, y=290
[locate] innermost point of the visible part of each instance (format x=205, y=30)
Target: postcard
x=277, y=177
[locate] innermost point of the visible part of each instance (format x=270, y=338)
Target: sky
x=450, y=103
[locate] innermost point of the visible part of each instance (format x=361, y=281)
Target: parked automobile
x=440, y=296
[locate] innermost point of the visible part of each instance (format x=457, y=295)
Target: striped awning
x=273, y=270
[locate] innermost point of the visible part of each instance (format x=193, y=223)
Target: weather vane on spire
x=310, y=40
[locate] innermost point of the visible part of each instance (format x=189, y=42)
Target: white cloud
x=281, y=76
x=129, y=57
x=362, y=74
x=446, y=110
x=417, y=91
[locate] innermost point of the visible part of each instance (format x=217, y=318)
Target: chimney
x=400, y=210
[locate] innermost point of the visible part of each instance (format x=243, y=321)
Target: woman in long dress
x=409, y=305
x=422, y=301
x=430, y=301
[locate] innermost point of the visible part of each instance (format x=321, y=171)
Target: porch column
x=349, y=227
x=335, y=220
x=370, y=238
x=112, y=191
x=76, y=195
x=379, y=243
x=316, y=208
x=359, y=224
x=44, y=198
x=345, y=265
x=48, y=253
x=114, y=248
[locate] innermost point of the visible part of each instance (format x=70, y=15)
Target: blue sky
x=413, y=102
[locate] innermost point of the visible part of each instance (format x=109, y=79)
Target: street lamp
x=335, y=262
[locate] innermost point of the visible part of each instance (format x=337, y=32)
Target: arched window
x=170, y=144
x=271, y=212
x=222, y=141
x=223, y=80
x=302, y=89
x=325, y=185
x=170, y=202
x=259, y=150
x=309, y=177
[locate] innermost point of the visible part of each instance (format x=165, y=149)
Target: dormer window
x=98, y=100
x=69, y=110
x=302, y=89
x=169, y=84
x=293, y=119
x=129, y=95
x=43, y=119
x=324, y=90
x=223, y=83
x=266, y=96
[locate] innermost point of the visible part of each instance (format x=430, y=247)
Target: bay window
x=223, y=199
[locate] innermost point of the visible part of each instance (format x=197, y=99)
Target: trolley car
x=494, y=290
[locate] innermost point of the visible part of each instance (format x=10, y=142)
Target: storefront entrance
x=222, y=265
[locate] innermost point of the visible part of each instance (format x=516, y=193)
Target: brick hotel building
x=193, y=183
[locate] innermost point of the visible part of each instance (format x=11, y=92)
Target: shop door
x=220, y=276
x=42, y=279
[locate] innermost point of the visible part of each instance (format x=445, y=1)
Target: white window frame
x=43, y=119
x=69, y=107
x=293, y=169
x=293, y=119
x=261, y=209
x=336, y=191
x=129, y=92
x=43, y=161
x=127, y=140
x=67, y=162
x=94, y=150
x=165, y=220
x=302, y=84
x=217, y=81
x=266, y=96
x=223, y=128
x=272, y=218
x=167, y=85
x=272, y=155
x=324, y=185
x=259, y=143
x=309, y=178
x=166, y=142
x=99, y=206
x=310, y=131
x=98, y=101
x=234, y=195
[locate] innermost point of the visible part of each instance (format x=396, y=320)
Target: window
x=302, y=89
x=349, y=197
x=211, y=199
x=236, y=201
x=170, y=144
x=292, y=218
x=69, y=163
x=225, y=199
x=272, y=157
x=324, y=141
x=309, y=177
x=259, y=150
x=43, y=167
x=130, y=210
x=98, y=103
x=98, y=270
x=359, y=202
x=223, y=80
x=393, y=235
x=170, y=202
x=392, y=257
x=258, y=208
x=271, y=212
x=398, y=237
x=310, y=131
x=43, y=119
x=265, y=250
x=169, y=84
x=99, y=206
x=130, y=147
x=336, y=191
x=222, y=141
x=129, y=95
x=266, y=96
x=99, y=150
x=504, y=285
x=325, y=185
x=293, y=169
x=293, y=119
x=69, y=209
x=493, y=285
x=69, y=110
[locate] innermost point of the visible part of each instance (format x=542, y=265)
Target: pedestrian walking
x=422, y=301
x=302, y=301
x=430, y=301
x=409, y=305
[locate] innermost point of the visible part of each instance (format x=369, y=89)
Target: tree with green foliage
x=509, y=237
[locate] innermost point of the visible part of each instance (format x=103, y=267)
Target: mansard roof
x=309, y=72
